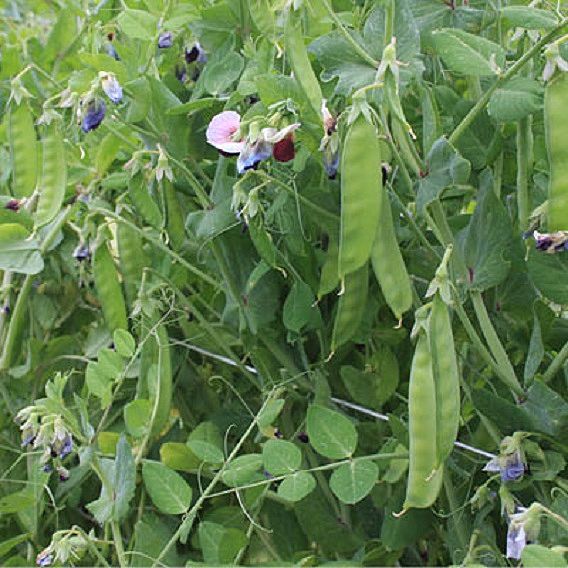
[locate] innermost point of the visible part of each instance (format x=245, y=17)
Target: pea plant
x=284, y=283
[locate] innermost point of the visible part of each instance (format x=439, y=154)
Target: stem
x=348, y=37
x=523, y=158
x=519, y=64
x=495, y=345
x=556, y=364
x=186, y=525
x=498, y=174
x=117, y=537
x=454, y=508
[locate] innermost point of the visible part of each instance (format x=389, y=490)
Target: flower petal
x=221, y=130
x=252, y=155
x=272, y=135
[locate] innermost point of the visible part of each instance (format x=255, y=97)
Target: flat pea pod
x=300, y=63
x=388, y=263
x=161, y=390
x=360, y=195
x=351, y=307
x=132, y=258
x=53, y=179
x=556, y=127
x=175, y=224
x=145, y=206
x=23, y=151
x=108, y=288
x=446, y=378
x=424, y=477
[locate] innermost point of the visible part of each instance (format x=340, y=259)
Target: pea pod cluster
x=433, y=407
x=556, y=124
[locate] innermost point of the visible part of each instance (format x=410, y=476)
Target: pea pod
x=446, y=378
x=53, y=179
x=388, y=263
x=161, y=391
x=145, y=206
x=300, y=63
x=424, y=475
x=23, y=151
x=360, y=195
x=351, y=307
x=175, y=222
x=556, y=123
x=108, y=289
x=132, y=259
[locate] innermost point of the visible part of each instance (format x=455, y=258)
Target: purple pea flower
x=66, y=447
x=63, y=473
x=513, y=468
x=196, y=53
x=112, y=88
x=111, y=51
x=44, y=558
x=330, y=163
x=81, y=253
x=93, y=116
x=165, y=40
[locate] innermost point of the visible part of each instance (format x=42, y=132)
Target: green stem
x=495, y=345
x=498, y=173
x=186, y=525
x=348, y=37
x=556, y=364
x=523, y=164
x=117, y=537
x=518, y=65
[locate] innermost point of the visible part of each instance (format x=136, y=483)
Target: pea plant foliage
x=283, y=283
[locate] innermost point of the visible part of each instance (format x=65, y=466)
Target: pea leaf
x=137, y=415
x=124, y=479
x=467, y=53
x=298, y=307
x=297, y=486
x=243, y=470
x=220, y=545
x=536, y=555
x=18, y=252
x=168, y=490
x=206, y=443
x=124, y=343
x=548, y=273
x=331, y=434
x=529, y=18
x=138, y=24
x=517, y=99
x=178, y=456
x=352, y=482
x=281, y=457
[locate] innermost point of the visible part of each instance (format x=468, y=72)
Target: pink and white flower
x=223, y=132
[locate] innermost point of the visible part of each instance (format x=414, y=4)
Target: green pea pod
x=23, y=151
x=175, y=222
x=131, y=257
x=161, y=391
x=446, y=378
x=351, y=307
x=424, y=475
x=300, y=63
x=53, y=179
x=145, y=206
x=360, y=195
x=556, y=123
x=108, y=289
x=262, y=241
x=388, y=263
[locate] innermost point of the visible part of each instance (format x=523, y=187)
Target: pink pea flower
x=222, y=130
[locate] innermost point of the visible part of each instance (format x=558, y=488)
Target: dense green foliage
x=283, y=282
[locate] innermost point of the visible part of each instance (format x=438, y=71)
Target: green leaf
x=7, y=545
x=124, y=479
x=178, y=456
x=206, y=443
x=192, y=106
x=529, y=18
x=137, y=416
x=18, y=252
x=507, y=416
x=536, y=556
x=331, y=434
x=220, y=545
x=138, y=24
x=219, y=75
x=468, y=54
x=297, y=486
x=242, y=470
x=270, y=412
x=352, y=482
x=124, y=343
x=516, y=99
x=547, y=409
x=549, y=274
x=535, y=353
x=299, y=306
x=98, y=383
x=14, y=502
x=446, y=168
x=281, y=457
x=168, y=490
x=487, y=242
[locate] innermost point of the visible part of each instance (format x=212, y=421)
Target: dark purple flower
x=47, y=468
x=13, y=205
x=65, y=448
x=165, y=40
x=81, y=253
x=112, y=88
x=331, y=164
x=93, y=116
x=303, y=437
x=513, y=467
x=196, y=53
x=28, y=437
x=6, y=309
x=181, y=73
x=267, y=475
x=63, y=473
x=283, y=150
x=112, y=51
